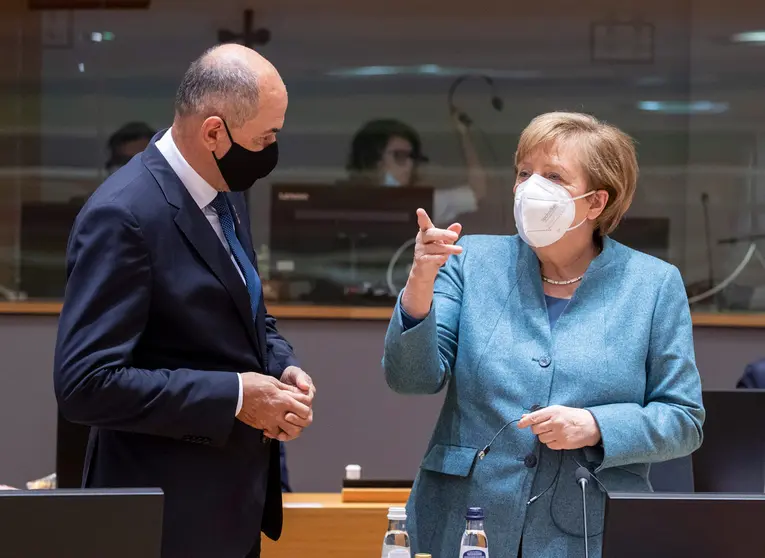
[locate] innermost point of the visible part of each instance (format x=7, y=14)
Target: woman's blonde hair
x=606, y=153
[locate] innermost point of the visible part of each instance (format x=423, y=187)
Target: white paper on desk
x=303, y=505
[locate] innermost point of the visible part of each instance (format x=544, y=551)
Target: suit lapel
x=197, y=230
x=195, y=226
x=591, y=289
x=532, y=292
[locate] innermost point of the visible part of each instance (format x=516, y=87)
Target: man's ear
x=214, y=134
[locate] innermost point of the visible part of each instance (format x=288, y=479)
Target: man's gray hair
x=218, y=87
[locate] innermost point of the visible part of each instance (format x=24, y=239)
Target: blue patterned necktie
x=221, y=207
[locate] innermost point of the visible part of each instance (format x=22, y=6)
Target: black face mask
x=241, y=167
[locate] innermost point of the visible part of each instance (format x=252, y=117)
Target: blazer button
x=544, y=361
x=530, y=461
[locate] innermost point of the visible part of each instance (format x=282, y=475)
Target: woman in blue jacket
x=558, y=348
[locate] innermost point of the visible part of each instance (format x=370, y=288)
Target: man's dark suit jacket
x=754, y=376
x=155, y=324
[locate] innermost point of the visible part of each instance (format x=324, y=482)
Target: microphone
x=591, y=476
x=582, y=479
x=487, y=448
x=496, y=100
x=484, y=452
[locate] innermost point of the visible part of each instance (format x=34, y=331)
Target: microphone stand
x=710, y=258
x=582, y=476
x=752, y=251
x=583, y=484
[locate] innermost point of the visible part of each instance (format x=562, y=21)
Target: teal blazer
x=623, y=349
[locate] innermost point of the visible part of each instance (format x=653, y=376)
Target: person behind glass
x=127, y=142
x=581, y=346
x=388, y=152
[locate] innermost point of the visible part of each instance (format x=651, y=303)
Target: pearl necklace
x=567, y=282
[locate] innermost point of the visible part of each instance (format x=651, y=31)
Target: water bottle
x=396, y=542
x=474, y=541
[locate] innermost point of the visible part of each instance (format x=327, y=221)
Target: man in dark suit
x=164, y=347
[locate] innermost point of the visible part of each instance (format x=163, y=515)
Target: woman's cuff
x=407, y=321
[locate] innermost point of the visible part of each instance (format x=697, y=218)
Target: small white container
x=353, y=472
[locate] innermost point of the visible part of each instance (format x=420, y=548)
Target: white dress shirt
x=203, y=195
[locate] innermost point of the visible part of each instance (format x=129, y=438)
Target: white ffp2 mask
x=544, y=211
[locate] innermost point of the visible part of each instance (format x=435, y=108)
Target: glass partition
x=373, y=130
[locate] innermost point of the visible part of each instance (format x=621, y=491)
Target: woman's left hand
x=563, y=428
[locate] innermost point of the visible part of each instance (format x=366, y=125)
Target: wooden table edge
x=383, y=313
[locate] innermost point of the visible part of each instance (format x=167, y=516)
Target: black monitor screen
x=343, y=244
x=683, y=525
x=81, y=523
x=732, y=456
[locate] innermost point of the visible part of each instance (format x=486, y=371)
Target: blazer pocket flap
x=450, y=460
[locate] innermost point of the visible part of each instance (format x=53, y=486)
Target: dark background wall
x=357, y=419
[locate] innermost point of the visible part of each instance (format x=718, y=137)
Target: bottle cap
x=475, y=514
x=397, y=514
x=352, y=472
